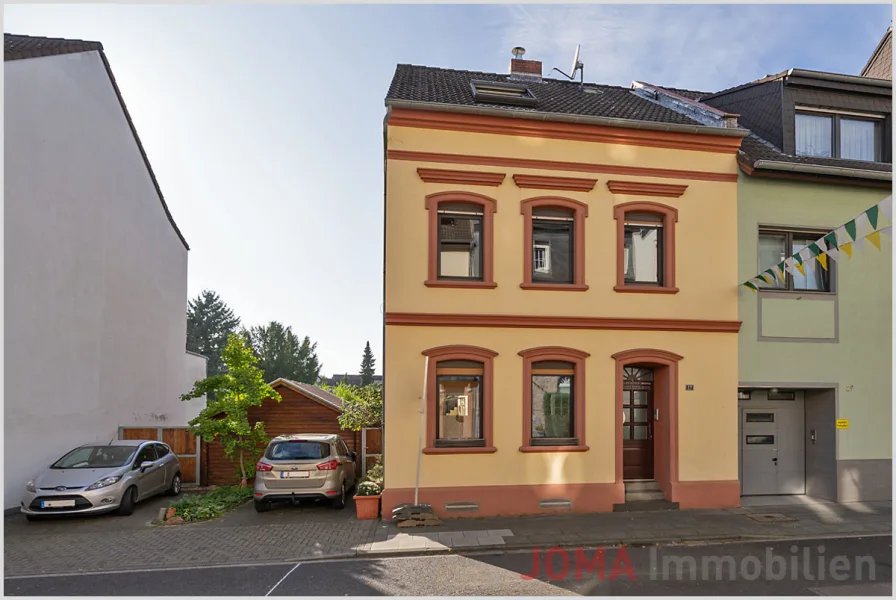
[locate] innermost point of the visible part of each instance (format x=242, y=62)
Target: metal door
x=759, y=449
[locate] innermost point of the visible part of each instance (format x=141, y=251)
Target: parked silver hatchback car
x=305, y=466
x=97, y=478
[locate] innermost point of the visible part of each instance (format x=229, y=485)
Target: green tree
x=281, y=354
x=209, y=324
x=367, y=366
x=226, y=418
x=362, y=406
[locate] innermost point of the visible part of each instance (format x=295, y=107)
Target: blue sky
x=264, y=123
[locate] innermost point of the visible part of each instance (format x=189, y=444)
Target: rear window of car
x=298, y=450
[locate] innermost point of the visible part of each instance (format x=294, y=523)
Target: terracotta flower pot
x=367, y=507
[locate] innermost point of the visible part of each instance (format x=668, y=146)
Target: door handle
x=775, y=460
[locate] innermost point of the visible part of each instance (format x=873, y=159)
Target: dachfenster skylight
x=496, y=92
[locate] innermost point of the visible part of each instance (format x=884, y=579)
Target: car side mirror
x=354, y=455
x=145, y=465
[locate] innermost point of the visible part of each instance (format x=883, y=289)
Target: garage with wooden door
x=303, y=408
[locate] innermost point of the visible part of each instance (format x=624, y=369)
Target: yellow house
x=561, y=268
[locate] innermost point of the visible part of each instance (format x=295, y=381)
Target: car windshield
x=298, y=450
x=96, y=457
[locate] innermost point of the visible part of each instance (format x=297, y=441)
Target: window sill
x=462, y=450
x=795, y=292
x=446, y=283
x=646, y=289
x=580, y=448
x=555, y=287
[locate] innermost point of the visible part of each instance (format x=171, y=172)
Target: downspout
x=383, y=311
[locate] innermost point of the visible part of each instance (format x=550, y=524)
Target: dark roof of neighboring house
x=431, y=85
x=804, y=73
x=16, y=47
x=25, y=46
x=754, y=149
x=880, y=64
x=349, y=379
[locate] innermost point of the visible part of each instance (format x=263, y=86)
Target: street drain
x=769, y=517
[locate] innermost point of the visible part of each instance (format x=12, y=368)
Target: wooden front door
x=637, y=429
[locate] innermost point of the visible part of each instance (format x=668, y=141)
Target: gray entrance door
x=759, y=451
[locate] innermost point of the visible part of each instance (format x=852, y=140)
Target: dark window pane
x=760, y=417
x=298, y=450
x=761, y=439
x=460, y=364
x=816, y=277
x=628, y=414
x=626, y=397
x=640, y=432
x=553, y=364
x=640, y=415
x=552, y=406
x=626, y=433
x=552, y=251
x=772, y=250
x=460, y=246
x=459, y=408
x=642, y=253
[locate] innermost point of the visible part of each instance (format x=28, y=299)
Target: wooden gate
x=371, y=447
x=184, y=445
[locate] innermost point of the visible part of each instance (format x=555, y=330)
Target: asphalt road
x=849, y=566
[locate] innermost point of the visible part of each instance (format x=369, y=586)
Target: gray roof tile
x=413, y=83
x=25, y=46
x=754, y=148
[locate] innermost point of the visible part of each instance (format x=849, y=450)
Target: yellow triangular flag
x=802, y=268
x=823, y=259
x=847, y=248
x=765, y=278
x=874, y=238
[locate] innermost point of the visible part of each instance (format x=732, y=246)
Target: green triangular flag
x=798, y=258
x=873, y=214
x=831, y=240
x=751, y=286
x=814, y=248
x=851, y=229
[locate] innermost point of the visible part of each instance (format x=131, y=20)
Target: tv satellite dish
x=576, y=65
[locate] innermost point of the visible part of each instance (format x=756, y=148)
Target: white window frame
x=546, y=249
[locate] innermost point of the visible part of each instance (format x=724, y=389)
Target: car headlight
x=104, y=483
x=29, y=487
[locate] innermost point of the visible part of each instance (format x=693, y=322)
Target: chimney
x=526, y=70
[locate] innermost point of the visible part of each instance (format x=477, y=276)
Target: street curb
x=607, y=543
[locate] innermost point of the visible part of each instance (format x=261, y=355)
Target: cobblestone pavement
x=108, y=543
x=308, y=532
x=605, y=529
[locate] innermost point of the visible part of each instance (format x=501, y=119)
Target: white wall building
x=95, y=267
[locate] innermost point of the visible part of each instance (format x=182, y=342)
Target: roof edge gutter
x=567, y=118
x=856, y=79
x=774, y=165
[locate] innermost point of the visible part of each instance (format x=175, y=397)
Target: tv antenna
x=576, y=66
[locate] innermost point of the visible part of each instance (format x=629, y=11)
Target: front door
x=759, y=451
x=637, y=428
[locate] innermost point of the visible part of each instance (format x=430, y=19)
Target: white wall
x=96, y=276
x=196, y=368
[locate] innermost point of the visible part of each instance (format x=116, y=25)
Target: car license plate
x=56, y=503
x=291, y=474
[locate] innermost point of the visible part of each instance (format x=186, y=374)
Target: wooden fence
x=186, y=446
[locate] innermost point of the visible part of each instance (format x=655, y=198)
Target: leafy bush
x=213, y=504
x=375, y=473
x=368, y=488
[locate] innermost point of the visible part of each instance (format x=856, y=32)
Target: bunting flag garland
x=836, y=245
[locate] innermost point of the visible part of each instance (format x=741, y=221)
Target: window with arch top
x=645, y=247
x=554, y=244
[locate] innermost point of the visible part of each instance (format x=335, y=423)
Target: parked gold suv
x=304, y=465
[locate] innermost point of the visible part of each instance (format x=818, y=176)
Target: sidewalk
x=294, y=534
x=665, y=527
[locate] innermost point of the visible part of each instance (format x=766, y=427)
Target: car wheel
x=176, y=483
x=339, y=501
x=262, y=506
x=127, y=503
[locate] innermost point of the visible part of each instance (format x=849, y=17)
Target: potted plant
x=367, y=500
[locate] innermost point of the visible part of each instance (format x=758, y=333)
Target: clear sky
x=264, y=123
